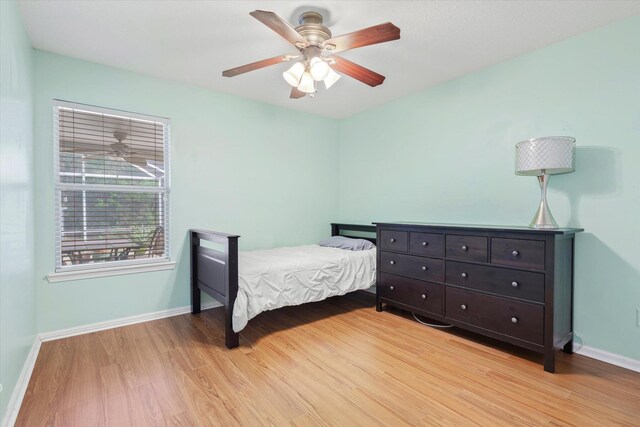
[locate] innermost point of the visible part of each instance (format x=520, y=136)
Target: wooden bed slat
x=211, y=270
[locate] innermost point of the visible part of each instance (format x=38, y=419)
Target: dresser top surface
x=504, y=228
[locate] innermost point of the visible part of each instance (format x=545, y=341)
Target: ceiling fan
x=118, y=150
x=317, y=52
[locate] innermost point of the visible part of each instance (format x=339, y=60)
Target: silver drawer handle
x=424, y=268
x=514, y=320
x=424, y=296
x=463, y=306
x=392, y=240
x=392, y=262
x=391, y=288
x=515, y=284
x=465, y=247
x=424, y=243
x=464, y=275
x=515, y=253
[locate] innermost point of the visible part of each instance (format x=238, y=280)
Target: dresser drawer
x=426, y=244
x=412, y=266
x=396, y=288
x=506, y=316
x=518, y=253
x=430, y=297
x=497, y=280
x=470, y=248
x=394, y=240
x=423, y=296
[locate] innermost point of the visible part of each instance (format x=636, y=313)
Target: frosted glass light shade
x=319, y=69
x=294, y=74
x=548, y=155
x=306, y=83
x=331, y=78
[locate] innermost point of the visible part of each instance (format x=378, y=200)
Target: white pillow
x=347, y=243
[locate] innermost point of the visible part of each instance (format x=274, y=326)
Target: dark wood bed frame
x=215, y=271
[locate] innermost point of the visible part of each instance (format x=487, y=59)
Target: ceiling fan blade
x=257, y=65
x=96, y=155
x=90, y=151
x=280, y=26
x=365, y=37
x=135, y=160
x=356, y=71
x=296, y=93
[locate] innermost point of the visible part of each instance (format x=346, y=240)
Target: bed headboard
x=360, y=231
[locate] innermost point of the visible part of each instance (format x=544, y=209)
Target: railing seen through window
x=112, y=187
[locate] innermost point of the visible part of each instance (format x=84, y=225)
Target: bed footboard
x=214, y=270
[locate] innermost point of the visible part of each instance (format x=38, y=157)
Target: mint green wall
x=17, y=290
x=447, y=155
x=266, y=173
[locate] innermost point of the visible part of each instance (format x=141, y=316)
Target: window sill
x=65, y=276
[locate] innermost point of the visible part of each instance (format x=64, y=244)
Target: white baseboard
x=23, y=380
x=605, y=356
x=13, y=407
x=123, y=321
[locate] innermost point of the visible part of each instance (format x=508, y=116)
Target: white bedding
x=274, y=278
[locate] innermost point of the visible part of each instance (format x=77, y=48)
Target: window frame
x=109, y=268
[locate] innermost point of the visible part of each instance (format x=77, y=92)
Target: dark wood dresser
x=510, y=283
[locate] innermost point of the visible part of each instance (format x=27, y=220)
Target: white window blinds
x=112, y=187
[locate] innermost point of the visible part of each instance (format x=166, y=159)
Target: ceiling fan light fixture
x=317, y=49
x=294, y=74
x=318, y=68
x=331, y=78
x=307, y=85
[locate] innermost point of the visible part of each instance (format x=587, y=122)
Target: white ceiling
x=194, y=41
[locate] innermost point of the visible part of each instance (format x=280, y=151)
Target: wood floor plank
x=162, y=379
x=333, y=363
x=118, y=407
x=146, y=408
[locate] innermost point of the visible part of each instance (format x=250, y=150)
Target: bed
x=251, y=282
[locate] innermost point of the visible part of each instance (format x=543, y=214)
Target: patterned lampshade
x=550, y=155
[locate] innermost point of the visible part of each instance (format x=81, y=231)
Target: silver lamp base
x=543, y=218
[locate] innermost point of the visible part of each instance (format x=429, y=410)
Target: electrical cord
x=430, y=324
x=575, y=336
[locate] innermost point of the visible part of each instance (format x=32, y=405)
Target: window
x=112, y=188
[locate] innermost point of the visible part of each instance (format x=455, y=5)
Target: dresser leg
x=568, y=347
x=549, y=361
x=378, y=306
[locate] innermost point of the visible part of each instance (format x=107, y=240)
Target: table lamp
x=542, y=157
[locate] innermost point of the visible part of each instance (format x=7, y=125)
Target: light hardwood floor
x=336, y=362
